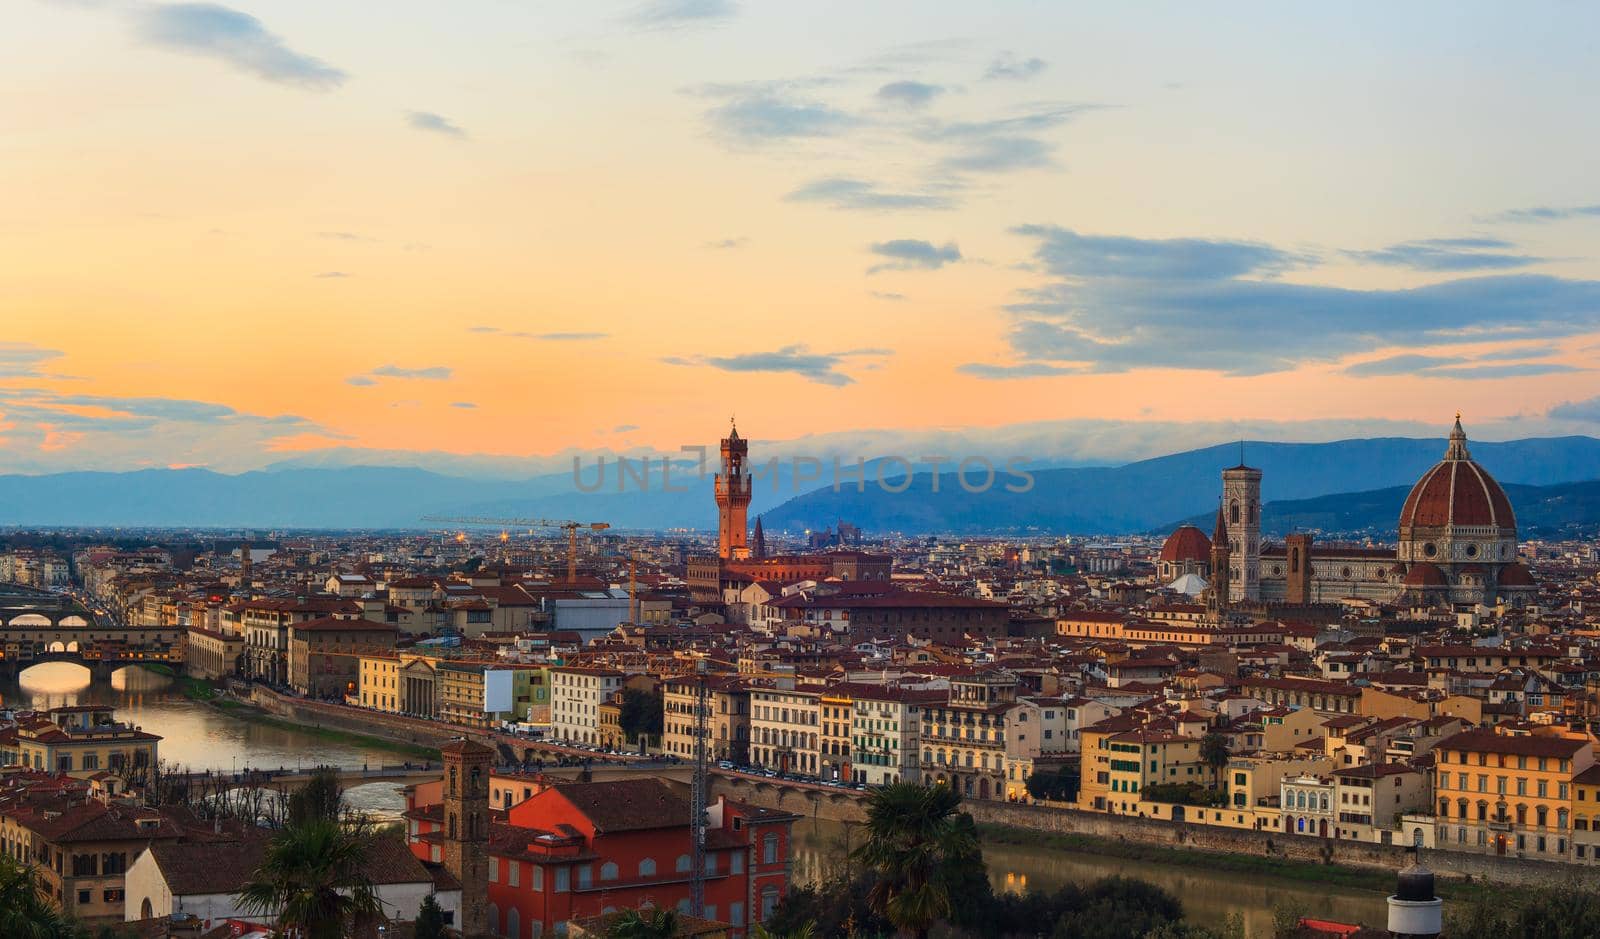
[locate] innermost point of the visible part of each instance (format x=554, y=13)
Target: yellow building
x=380, y=683
x=1508, y=794
x=77, y=739
x=1586, y=816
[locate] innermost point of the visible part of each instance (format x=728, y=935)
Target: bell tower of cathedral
x=1241, y=498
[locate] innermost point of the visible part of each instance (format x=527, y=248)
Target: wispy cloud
x=1004, y=144
x=726, y=244
x=434, y=124
x=906, y=254
x=428, y=373
x=680, y=14
x=1546, y=213
x=756, y=113
x=820, y=367
x=1007, y=66
x=465, y=405
x=1009, y=372
x=343, y=236
x=909, y=93
x=886, y=295
x=236, y=39
x=1587, y=411
x=45, y=430
x=540, y=337
x=1116, y=303
x=23, y=359
x=332, y=275
x=842, y=192
x=1448, y=254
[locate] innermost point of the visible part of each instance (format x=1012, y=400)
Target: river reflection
x=1208, y=896
x=196, y=736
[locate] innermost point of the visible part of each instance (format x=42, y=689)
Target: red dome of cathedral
x=1425, y=575
x=1188, y=543
x=1457, y=492
x=1516, y=575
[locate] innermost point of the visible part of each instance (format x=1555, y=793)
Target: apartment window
x=563, y=879
x=769, y=849
x=494, y=870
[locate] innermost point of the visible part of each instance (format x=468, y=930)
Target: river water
x=199, y=737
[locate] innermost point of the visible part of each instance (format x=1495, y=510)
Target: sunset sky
x=233, y=235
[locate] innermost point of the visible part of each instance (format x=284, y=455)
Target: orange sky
x=264, y=207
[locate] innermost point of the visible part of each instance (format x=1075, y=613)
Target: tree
x=642, y=713
x=430, y=920
x=1214, y=751
x=313, y=879
x=911, y=832
x=24, y=912
x=648, y=923
x=1059, y=786
x=321, y=799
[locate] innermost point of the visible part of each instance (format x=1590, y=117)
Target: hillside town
x=1439, y=693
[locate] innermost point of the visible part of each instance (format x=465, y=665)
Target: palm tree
x=808, y=931
x=312, y=878
x=648, y=923
x=911, y=834
x=24, y=912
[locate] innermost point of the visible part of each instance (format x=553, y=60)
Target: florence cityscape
x=742, y=470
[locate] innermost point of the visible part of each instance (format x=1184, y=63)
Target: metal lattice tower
x=698, y=788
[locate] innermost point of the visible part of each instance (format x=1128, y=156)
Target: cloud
x=1006, y=143
x=22, y=359
x=1546, y=213
x=343, y=236
x=1007, y=66
x=430, y=373
x=540, y=337
x=332, y=275
x=1513, y=370
x=907, y=254
x=678, y=14
x=434, y=124
x=842, y=192
x=463, y=404
x=819, y=367
x=236, y=39
x=624, y=428
x=1587, y=411
x=1006, y=372
x=47, y=431
x=727, y=243
x=1404, y=364
x=765, y=112
x=910, y=93
x=360, y=381
x=1119, y=303
x=1447, y=254
x=886, y=295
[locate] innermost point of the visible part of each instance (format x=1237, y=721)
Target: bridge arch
x=73, y=620
x=29, y=619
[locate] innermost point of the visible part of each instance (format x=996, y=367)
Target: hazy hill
x=1564, y=508
x=1087, y=500
x=1151, y=493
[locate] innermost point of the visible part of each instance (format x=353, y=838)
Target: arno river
x=197, y=737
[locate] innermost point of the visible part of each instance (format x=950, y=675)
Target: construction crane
x=570, y=527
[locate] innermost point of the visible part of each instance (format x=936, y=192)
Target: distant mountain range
x=1138, y=496
x=1152, y=493
x=1543, y=511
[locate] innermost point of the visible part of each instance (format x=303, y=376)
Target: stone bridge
x=38, y=626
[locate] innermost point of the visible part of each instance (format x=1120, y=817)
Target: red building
x=575, y=850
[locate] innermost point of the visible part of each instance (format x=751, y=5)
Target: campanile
x=733, y=497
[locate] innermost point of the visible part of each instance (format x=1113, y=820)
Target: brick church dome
x=1456, y=493
x=1425, y=575
x=1188, y=543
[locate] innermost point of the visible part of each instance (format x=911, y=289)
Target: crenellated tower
x=733, y=497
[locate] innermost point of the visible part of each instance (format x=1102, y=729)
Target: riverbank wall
x=1112, y=831
x=319, y=714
